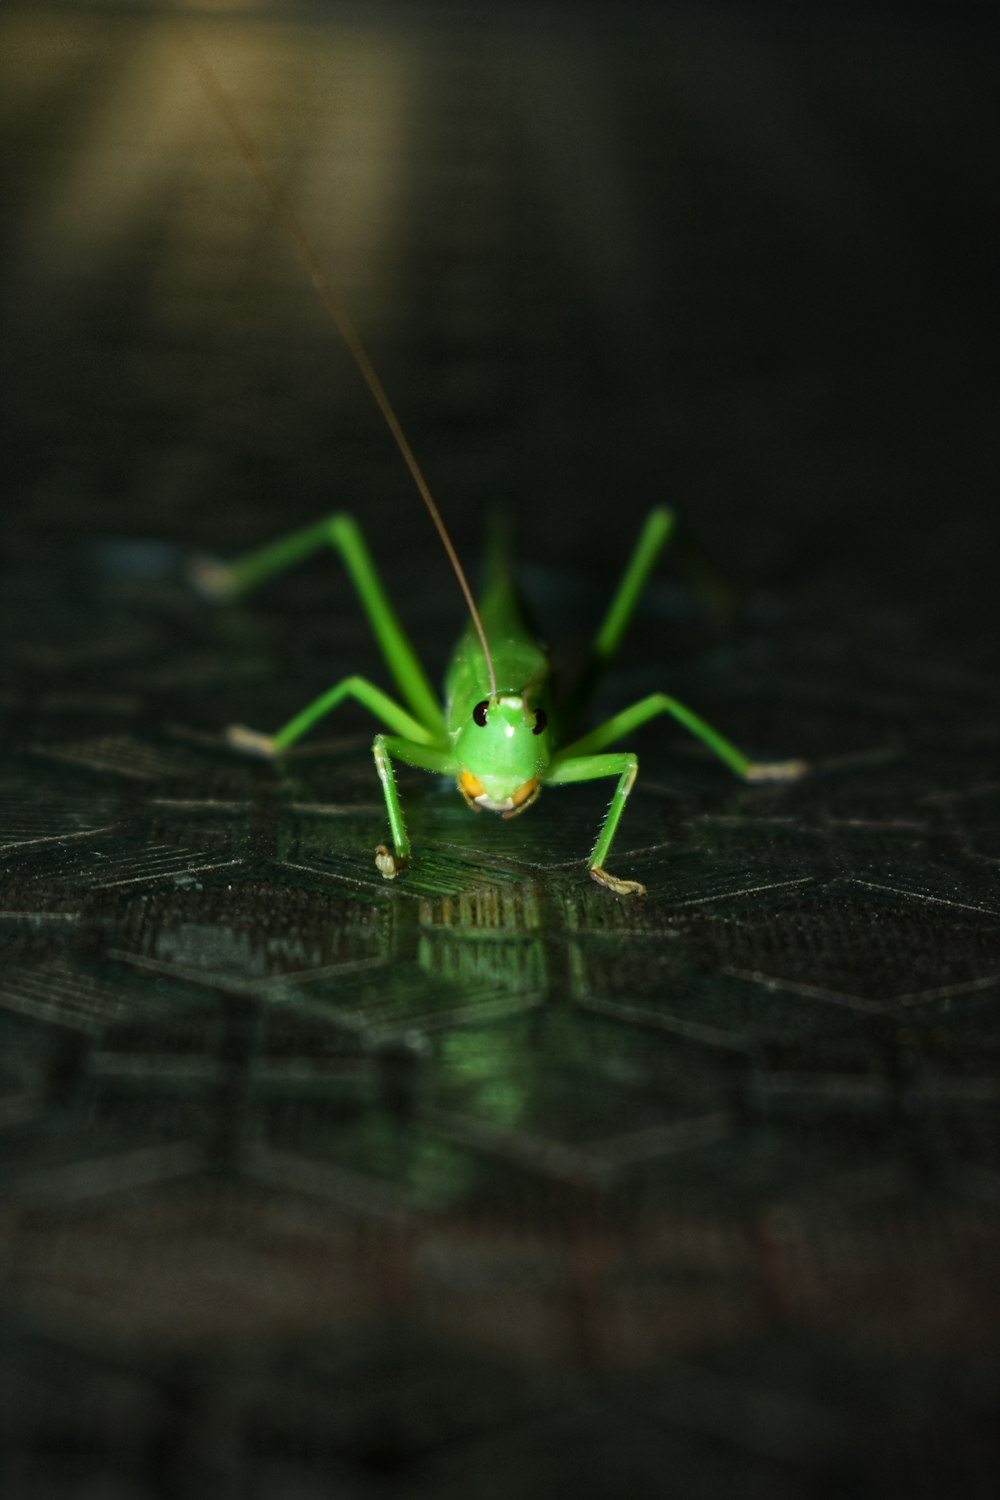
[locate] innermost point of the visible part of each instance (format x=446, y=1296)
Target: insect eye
x=479, y=713
x=541, y=719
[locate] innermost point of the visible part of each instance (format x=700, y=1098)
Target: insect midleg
x=630, y=718
x=425, y=758
x=624, y=765
x=384, y=708
x=656, y=532
x=342, y=533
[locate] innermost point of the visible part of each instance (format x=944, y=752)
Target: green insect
x=501, y=733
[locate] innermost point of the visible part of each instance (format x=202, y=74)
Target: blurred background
x=486, y=1183
x=731, y=258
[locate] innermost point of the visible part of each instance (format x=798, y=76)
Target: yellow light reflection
x=142, y=153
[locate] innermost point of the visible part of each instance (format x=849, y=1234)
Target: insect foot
x=775, y=770
x=251, y=741
x=211, y=578
x=614, y=883
x=387, y=863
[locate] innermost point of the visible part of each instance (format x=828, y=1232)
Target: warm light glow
x=328, y=108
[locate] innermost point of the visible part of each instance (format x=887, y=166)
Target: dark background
x=486, y=1182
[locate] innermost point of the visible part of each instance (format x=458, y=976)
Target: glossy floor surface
x=488, y=1183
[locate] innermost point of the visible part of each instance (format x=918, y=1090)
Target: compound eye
x=541, y=719
x=479, y=713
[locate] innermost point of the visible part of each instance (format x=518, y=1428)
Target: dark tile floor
x=488, y=1183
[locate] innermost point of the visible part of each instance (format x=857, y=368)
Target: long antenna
x=218, y=96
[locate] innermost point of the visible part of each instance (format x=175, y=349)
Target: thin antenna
x=218, y=96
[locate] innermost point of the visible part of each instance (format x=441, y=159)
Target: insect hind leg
x=657, y=529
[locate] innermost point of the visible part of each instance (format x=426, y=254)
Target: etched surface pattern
x=487, y=1182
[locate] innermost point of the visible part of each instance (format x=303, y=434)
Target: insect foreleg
x=581, y=762
x=386, y=709
x=341, y=532
x=589, y=768
x=426, y=758
x=627, y=719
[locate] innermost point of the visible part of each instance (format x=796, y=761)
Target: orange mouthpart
x=524, y=792
x=470, y=786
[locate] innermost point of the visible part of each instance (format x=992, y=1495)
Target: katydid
x=500, y=733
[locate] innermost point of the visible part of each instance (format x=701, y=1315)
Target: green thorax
x=500, y=745
x=519, y=662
